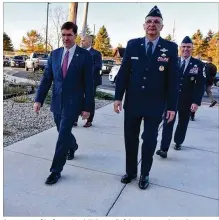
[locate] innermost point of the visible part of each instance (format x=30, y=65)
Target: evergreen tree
x=7, y=44
x=102, y=42
x=213, y=49
x=197, y=39
x=168, y=37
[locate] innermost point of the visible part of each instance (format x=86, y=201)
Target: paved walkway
x=185, y=184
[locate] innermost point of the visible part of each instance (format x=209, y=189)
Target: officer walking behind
x=192, y=80
x=211, y=71
x=149, y=77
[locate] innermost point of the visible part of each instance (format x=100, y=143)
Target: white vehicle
x=113, y=73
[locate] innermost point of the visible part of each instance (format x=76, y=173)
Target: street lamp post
x=47, y=16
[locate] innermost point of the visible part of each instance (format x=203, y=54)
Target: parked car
x=216, y=79
x=6, y=61
x=107, y=66
x=37, y=61
x=17, y=61
x=113, y=73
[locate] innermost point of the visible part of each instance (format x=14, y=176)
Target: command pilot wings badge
x=163, y=50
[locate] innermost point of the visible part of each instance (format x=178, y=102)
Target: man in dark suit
x=86, y=43
x=211, y=71
x=149, y=77
x=192, y=80
x=70, y=71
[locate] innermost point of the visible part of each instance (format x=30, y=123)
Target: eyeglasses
x=157, y=22
x=67, y=35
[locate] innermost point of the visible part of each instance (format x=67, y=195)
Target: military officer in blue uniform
x=149, y=78
x=191, y=89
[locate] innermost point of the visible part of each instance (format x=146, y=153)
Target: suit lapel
x=60, y=61
x=143, y=49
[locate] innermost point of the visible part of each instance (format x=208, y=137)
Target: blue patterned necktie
x=182, y=67
x=149, y=49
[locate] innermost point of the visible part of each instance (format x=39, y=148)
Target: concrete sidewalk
x=185, y=184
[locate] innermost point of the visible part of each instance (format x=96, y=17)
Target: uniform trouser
x=180, y=133
x=66, y=141
x=132, y=129
x=209, y=93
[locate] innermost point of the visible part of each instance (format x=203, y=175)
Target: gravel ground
x=21, y=122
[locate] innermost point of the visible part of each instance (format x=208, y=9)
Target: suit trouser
x=66, y=141
x=132, y=129
x=180, y=133
x=91, y=117
x=192, y=114
x=209, y=92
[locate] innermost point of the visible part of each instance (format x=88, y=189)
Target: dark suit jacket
x=192, y=84
x=149, y=84
x=97, y=66
x=74, y=93
x=211, y=71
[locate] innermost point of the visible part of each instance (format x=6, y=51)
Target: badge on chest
x=194, y=70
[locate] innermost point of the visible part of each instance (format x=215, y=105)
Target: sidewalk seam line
x=117, y=175
x=67, y=164
x=115, y=200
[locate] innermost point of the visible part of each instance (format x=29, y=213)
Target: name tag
x=163, y=59
x=134, y=58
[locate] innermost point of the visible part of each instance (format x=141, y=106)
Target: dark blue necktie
x=182, y=67
x=149, y=49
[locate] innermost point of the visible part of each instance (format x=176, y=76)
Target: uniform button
x=142, y=87
x=146, y=69
x=181, y=78
x=144, y=78
x=180, y=84
x=179, y=90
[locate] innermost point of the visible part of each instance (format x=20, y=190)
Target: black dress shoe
x=143, y=182
x=87, y=124
x=71, y=153
x=192, y=119
x=53, y=178
x=162, y=154
x=127, y=179
x=213, y=103
x=177, y=147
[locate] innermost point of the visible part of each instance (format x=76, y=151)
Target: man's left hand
x=170, y=116
x=194, y=107
x=85, y=115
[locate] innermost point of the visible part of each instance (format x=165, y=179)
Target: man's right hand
x=118, y=106
x=36, y=107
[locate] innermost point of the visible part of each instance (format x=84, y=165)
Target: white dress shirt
x=71, y=54
x=88, y=48
x=187, y=62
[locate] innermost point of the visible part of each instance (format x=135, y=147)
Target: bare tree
x=50, y=39
x=57, y=17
